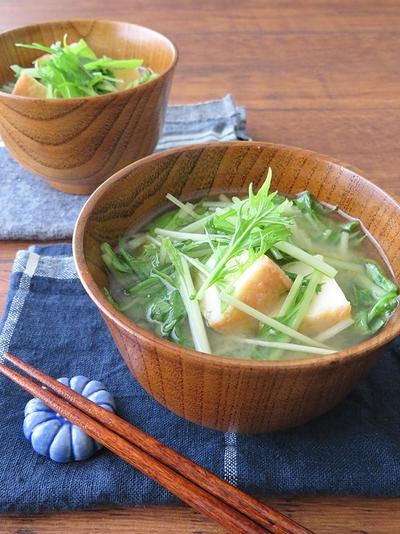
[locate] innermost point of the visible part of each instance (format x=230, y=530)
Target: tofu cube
x=127, y=76
x=261, y=286
x=28, y=86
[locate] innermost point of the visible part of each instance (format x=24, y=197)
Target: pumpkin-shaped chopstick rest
x=53, y=436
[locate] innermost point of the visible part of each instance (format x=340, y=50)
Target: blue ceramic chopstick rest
x=53, y=436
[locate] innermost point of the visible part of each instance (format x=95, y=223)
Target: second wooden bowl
x=75, y=144
x=222, y=393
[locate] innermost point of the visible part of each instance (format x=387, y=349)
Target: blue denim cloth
x=50, y=214
x=50, y=322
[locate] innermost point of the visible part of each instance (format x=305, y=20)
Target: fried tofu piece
x=327, y=308
x=43, y=58
x=261, y=286
x=28, y=86
x=127, y=76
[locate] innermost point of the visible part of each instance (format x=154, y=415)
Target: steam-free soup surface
x=262, y=277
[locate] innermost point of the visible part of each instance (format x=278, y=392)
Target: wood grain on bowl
x=75, y=144
x=223, y=393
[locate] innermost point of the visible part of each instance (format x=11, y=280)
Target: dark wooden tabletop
x=323, y=75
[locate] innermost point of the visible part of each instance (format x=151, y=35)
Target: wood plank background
x=323, y=75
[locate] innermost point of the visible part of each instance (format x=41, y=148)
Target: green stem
x=198, y=225
x=153, y=240
x=346, y=265
x=196, y=323
x=303, y=307
x=136, y=241
x=265, y=319
x=185, y=236
x=334, y=330
x=196, y=263
x=285, y=346
x=187, y=208
x=313, y=261
x=309, y=294
x=292, y=295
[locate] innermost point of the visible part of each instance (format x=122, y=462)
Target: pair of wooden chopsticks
x=204, y=491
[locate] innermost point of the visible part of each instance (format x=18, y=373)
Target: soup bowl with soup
x=247, y=286
x=77, y=142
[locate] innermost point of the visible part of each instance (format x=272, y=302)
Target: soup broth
x=265, y=277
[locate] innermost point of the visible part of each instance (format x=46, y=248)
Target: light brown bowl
x=232, y=394
x=75, y=144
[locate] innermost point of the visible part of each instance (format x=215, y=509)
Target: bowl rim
x=79, y=99
x=358, y=351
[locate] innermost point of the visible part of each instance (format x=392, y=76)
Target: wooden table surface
x=323, y=75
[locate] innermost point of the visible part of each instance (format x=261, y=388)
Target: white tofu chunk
x=261, y=286
x=327, y=308
x=28, y=86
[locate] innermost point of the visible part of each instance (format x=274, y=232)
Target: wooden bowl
x=221, y=393
x=75, y=144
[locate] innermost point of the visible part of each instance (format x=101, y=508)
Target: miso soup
x=263, y=277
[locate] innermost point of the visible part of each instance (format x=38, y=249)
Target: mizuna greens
x=263, y=277
x=73, y=70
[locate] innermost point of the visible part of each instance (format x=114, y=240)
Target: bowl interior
x=119, y=40
x=136, y=193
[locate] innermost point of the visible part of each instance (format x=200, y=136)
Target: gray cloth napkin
x=30, y=209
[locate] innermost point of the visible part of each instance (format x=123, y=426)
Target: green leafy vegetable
x=382, y=310
x=114, y=262
x=111, y=299
x=146, y=74
x=374, y=298
x=154, y=288
x=163, y=274
x=377, y=276
x=257, y=223
x=307, y=204
x=74, y=70
x=317, y=232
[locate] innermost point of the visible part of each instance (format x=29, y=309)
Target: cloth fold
x=31, y=209
x=50, y=322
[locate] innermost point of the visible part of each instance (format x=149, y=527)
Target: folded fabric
x=31, y=209
x=50, y=322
